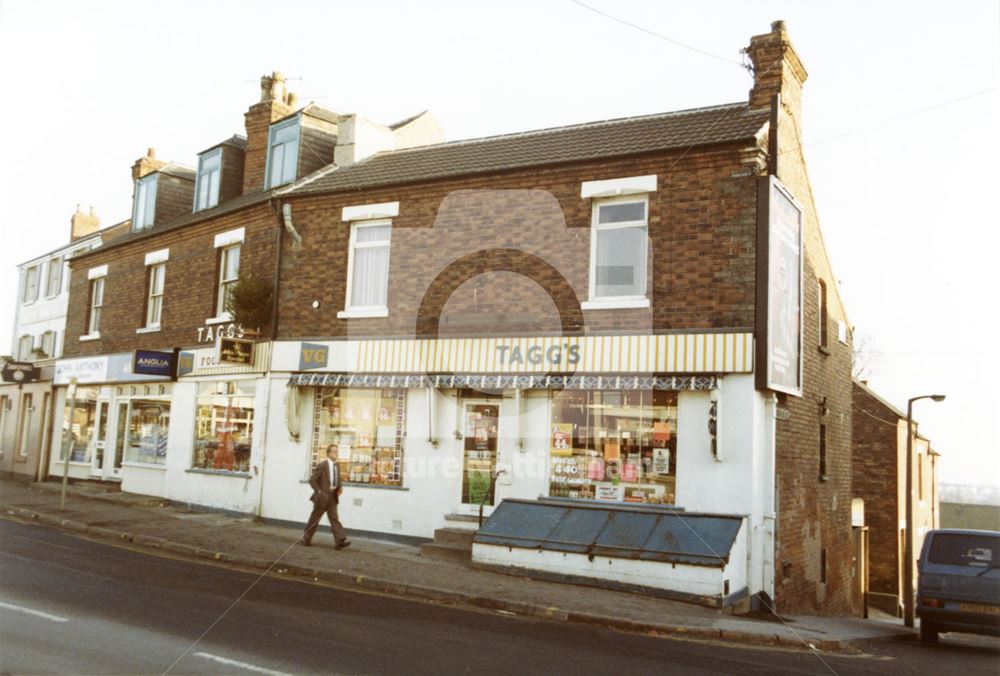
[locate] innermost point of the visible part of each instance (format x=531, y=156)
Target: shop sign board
x=235, y=351
x=779, y=302
x=20, y=372
x=153, y=363
x=313, y=356
x=86, y=370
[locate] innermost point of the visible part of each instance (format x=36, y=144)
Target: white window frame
x=212, y=196
x=154, y=297
x=222, y=282
x=595, y=302
x=350, y=311
x=271, y=133
x=96, y=303
x=26, y=297
x=55, y=263
x=142, y=197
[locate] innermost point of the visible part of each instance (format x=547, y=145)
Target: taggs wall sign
x=235, y=351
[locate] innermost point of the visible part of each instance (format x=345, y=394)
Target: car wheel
x=928, y=632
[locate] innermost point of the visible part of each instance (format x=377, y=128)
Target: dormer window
x=145, y=202
x=206, y=192
x=283, y=153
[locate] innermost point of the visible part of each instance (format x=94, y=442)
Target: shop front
x=430, y=430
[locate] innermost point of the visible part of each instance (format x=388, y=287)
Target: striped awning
x=506, y=381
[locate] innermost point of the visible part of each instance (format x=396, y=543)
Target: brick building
x=879, y=483
x=634, y=313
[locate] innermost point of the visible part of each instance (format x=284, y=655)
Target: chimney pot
x=777, y=25
x=151, y=153
x=293, y=99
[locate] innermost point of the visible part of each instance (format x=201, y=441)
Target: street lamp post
x=908, y=555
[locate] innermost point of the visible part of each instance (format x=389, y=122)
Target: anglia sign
x=153, y=363
x=20, y=372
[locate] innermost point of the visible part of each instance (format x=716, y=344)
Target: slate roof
x=627, y=136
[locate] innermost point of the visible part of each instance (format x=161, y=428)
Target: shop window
x=53, y=284
x=368, y=267
x=614, y=445
x=367, y=427
x=229, y=274
x=224, y=426
x=206, y=194
x=618, y=250
x=146, y=437
x=29, y=292
x=78, y=424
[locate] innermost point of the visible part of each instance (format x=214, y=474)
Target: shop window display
x=614, y=445
x=78, y=425
x=367, y=427
x=224, y=426
x=148, y=422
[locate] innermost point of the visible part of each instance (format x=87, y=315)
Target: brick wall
x=189, y=285
x=231, y=184
x=537, y=228
x=174, y=196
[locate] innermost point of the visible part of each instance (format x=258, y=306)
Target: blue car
x=959, y=584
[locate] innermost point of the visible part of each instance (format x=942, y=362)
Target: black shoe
x=341, y=545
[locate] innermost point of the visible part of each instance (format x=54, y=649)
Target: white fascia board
x=230, y=237
x=612, y=187
x=99, y=271
x=154, y=257
x=367, y=212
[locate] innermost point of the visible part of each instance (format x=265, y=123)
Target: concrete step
x=454, y=536
x=448, y=551
x=463, y=520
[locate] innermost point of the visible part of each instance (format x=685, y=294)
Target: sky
x=900, y=123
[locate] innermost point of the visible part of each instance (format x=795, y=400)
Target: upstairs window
x=29, y=293
x=229, y=274
x=822, y=314
x=206, y=193
x=618, y=250
x=25, y=345
x=145, y=202
x=53, y=284
x=368, y=267
x=49, y=343
x=96, y=304
x=283, y=153
x=154, y=297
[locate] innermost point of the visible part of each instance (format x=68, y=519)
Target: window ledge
x=221, y=319
x=614, y=304
x=91, y=336
x=359, y=314
x=824, y=477
x=381, y=487
x=144, y=465
x=148, y=329
x=823, y=349
x=219, y=472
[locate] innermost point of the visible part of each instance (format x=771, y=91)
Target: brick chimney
x=275, y=103
x=146, y=165
x=82, y=224
x=776, y=70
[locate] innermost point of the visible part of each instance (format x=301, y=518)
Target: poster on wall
x=562, y=439
x=779, y=300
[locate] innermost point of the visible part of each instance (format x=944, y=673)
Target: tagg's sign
x=153, y=363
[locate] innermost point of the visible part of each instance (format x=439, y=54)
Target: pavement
x=385, y=567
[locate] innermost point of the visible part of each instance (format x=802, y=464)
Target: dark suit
x=326, y=495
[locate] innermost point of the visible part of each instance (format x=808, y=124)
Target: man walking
x=325, y=482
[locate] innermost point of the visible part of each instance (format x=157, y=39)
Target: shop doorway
x=97, y=457
x=479, y=432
